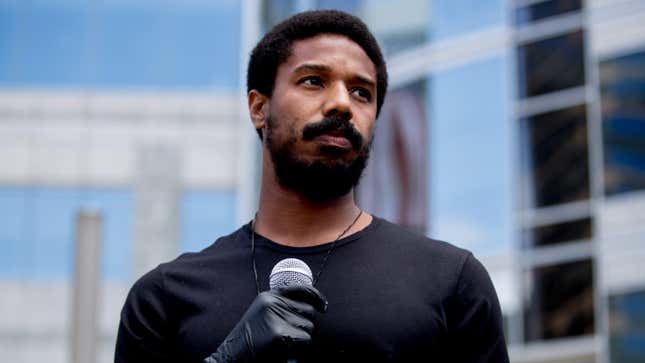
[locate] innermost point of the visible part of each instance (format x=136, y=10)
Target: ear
x=258, y=108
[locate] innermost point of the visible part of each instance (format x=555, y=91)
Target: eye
x=362, y=93
x=314, y=81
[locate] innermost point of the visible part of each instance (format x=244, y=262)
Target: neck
x=286, y=217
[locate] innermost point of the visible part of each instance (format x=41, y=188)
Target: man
x=316, y=83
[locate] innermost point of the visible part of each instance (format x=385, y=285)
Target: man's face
x=321, y=116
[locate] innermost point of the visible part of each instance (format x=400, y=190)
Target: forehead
x=333, y=50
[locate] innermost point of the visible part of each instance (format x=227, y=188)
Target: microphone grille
x=290, y=271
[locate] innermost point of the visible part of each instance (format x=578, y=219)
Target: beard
x=332, y=175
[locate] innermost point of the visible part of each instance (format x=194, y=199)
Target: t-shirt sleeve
x=143, y=328
x=475, y=318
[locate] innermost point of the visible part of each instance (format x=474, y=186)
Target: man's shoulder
x=403, y=237
x=457, y=266
x=434, y=262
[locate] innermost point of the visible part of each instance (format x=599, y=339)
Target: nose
x=338, y=102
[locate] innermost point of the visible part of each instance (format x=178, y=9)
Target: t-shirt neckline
x=262, y=241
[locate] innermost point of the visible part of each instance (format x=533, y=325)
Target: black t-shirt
x=394, y=296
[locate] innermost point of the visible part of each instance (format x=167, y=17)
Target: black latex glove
x=275, y=326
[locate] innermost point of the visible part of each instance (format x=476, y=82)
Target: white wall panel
x=58, y=138
x=622, y=242
x=616, y=26
x=34, y=319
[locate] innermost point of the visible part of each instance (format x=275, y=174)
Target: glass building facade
x=515, y=129
x=124, y=108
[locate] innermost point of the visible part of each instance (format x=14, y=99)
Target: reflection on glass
x=627, y=327
x=397, y=25
x=559, y=301
x=454, y=18
x=394, y=184
x=274, y=12
x=545, y=9
x=622, y=83
x=350, y=6
x=558, y=233
x=555, y=157
x=551, y=64
x=470, y=180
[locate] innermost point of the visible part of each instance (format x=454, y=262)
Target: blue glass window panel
x=476, y=220
x=627, y=327
x=13, y=230
x=551, y=64
x=559, y=301
x=349, y=6
x=457, y=17
x=555, y=157
x=41, y=42
x=39, y=231
x=276, y=11
x=181, y=45
x=622, y=85
x=471, y=156
x=545, y=9
x=52, y=233
x=117, y=209
x=406, y=30
x=205, y=216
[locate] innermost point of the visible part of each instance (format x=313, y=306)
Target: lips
x=333, y=133
x=333, y=139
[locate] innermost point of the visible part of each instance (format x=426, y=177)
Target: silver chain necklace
x=322, y=265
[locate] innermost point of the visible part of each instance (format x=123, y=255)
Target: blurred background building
x=513, y=128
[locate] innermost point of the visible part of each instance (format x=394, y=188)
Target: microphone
x=290, y=271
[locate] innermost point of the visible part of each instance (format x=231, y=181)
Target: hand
x=277, y=324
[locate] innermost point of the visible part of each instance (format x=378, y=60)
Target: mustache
x=337, y=125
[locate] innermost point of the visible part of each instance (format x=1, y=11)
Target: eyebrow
x=312, y=67
x=326, y=69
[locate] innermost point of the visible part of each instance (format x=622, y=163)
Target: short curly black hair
x=275, y=47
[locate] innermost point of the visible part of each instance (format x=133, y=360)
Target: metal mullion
x=550, y=27
x=247, y=170
x=557, y=254
x=416, y=63
x=551, y=101
x=596, y=184
x=537, y=217
x=557, y=350
x=523, y=3
x=517, y=324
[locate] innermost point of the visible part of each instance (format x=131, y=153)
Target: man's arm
x=143, y=329
x=475, y=318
